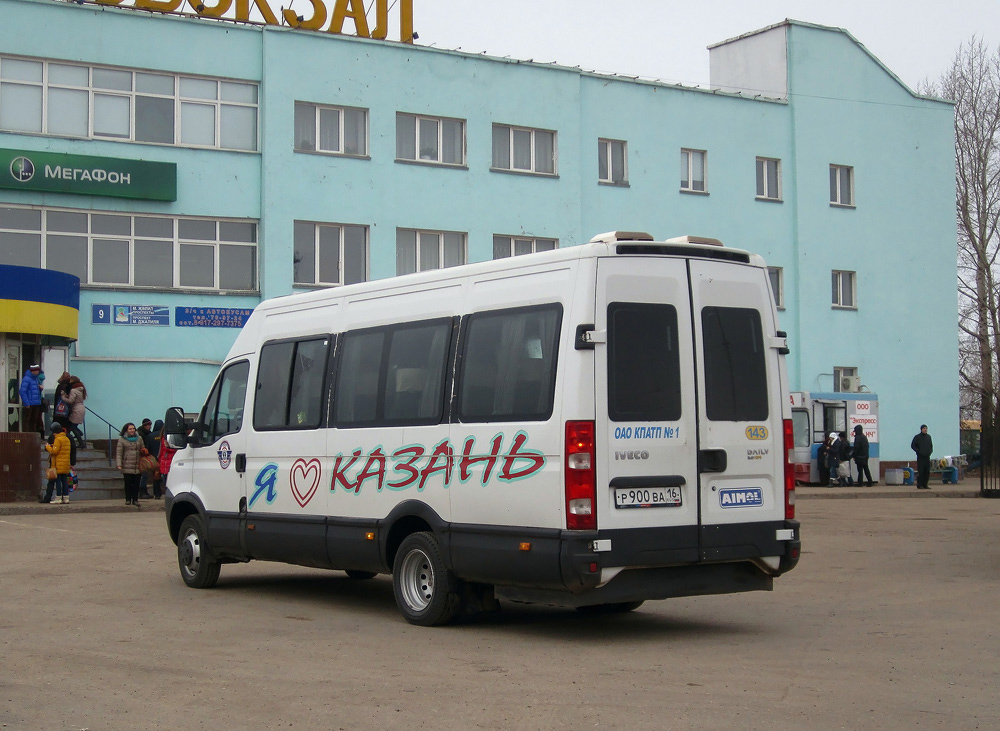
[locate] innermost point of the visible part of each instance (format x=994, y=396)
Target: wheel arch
x=410, y=517
x=183, y=505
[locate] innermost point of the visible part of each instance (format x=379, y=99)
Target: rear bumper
x=658, y=562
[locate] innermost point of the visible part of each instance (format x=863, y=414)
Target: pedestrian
x=146, y=435
x=923, y=446
x=155, y=447
x=75, y=398
x=59, y=449
x=127, y=461
x=833, y=457
x=861, y=450
x=845, y=460
x=31, y=399
x=166, y=455
x=821, y=464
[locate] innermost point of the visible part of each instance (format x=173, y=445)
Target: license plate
x=647, y=497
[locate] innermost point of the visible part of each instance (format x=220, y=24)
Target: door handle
x=241, y=463
x=712, y=460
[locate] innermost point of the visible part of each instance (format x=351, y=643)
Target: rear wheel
x=420, y=582
x=198, y=568
x=615, y=608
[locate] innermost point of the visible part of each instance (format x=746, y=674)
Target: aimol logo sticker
x=741, y=497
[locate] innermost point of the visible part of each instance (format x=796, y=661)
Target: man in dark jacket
x=923, y=446
x=861, y=450
x=148, y=441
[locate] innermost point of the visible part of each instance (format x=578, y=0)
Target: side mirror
x=174, y=429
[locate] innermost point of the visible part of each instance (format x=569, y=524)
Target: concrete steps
x=98, y=479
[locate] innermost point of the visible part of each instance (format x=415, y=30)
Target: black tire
x=360, y=575
x=199, y=569
x=420, y=582
x=615, y=608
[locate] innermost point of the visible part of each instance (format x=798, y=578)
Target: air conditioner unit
x=850, y=384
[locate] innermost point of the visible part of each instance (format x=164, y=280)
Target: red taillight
x=789, y=471
x=581, y=476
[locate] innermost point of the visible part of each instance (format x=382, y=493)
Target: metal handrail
x=111, y=428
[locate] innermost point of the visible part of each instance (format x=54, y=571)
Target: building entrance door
x=12, y=374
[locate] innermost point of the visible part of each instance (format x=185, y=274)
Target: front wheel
x=198, y=568
x=420, y=582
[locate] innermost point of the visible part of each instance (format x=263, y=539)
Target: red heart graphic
x=307, y=473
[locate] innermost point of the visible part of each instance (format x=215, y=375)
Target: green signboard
x=53, y=172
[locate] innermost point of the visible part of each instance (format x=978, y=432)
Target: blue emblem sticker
x=741, y=497
x=225, y=455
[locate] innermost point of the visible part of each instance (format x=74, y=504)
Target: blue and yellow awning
x=39, y=301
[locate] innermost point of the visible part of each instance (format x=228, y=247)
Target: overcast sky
x=667, y=40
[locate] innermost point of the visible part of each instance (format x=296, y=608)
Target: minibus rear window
x=735, y=369
x=643, y=362
x=509, y=364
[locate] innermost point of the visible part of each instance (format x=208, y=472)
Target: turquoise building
x=185, y=167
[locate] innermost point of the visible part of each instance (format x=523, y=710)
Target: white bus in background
x=591, y=427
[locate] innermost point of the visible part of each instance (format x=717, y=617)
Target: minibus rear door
x=645, y=432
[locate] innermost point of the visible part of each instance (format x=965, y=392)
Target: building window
x=693, y=166
x=612, y=162
x=777, y=277
x=768, y=178
x=504, y=246
x=335, y=130
x=436, y=140
x=845, y=379
x=418, y=251
x=98, y=102
x=841, y=185
x=525, y=150
x=329, y=254
x=122, y=250
x=844, y=291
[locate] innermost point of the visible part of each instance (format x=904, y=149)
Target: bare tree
x=973, y=83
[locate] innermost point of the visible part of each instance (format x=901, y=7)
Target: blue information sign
x=100, y=314
x=140, y=315
x=211, y=316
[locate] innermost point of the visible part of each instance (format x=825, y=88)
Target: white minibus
x=590, y=427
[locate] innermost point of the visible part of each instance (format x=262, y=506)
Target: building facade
x=186, y=168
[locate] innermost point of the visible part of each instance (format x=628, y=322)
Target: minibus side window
x=735, y=368
x=643, y=362
x=290, y=379
x=223, y=413
x=393, y=375
x=508, y=366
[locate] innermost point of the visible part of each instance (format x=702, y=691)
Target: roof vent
x=703, y=240
x=613, y=237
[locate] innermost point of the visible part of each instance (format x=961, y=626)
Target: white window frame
x=174, y=240
x=317, y=109
x=688, y=156
x=423, y=238
x=317, y=227
x=180, y=102
x=533, y=170
x=764, y=192
x=418, y=120
x=840, y=277
x=511, y=243
x=777, y=277
x=839, y=197
x=605, y=157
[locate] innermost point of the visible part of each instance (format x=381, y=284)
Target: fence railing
x=989, y=470
x=112, y=429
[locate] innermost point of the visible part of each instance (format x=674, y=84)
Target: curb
x=82, y=506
